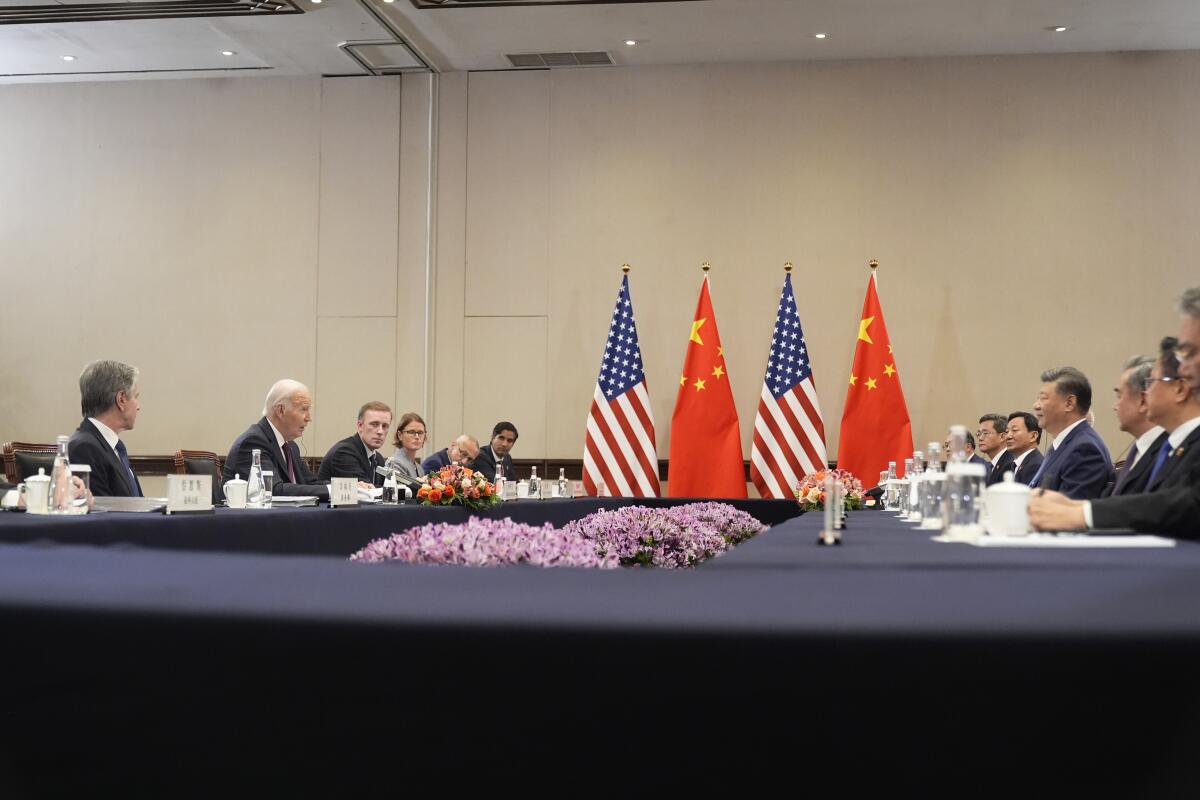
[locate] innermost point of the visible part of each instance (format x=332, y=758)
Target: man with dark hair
x=1171, y=502
x=357, y=455
x=504, y=436
x=110, y=401
x=1023, y=437
x=992, y=440
x=1132, y=415
x=1077, y=464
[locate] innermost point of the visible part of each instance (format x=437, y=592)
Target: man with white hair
x=286, y=413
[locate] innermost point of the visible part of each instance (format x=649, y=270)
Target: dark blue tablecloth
x=891, y=664
x=314, y=530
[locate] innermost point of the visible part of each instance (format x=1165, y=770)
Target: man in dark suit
x=1133, y=416
x=504, y=436
x=109, y=398
x=1077, y=464
x=462, y=451
x=991, y=438
x=357, y=455
x=286, y=413
x=1171, y=502
x=1023, y=436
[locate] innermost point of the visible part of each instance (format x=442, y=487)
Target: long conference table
x=891, y=662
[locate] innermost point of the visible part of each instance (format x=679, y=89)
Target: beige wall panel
x=449, y=376
x=355, y=363
x=414, y=269
x=1028, y=212
x=360, y=152
x=171, y=224
x=510, y=384
x=508, y=202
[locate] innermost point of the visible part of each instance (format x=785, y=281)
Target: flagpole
x=625, y=269
x=706, y=267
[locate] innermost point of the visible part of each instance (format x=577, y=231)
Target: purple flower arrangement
x=673, y=538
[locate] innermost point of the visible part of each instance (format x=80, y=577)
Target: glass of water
x=268, y=479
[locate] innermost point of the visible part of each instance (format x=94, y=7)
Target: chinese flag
x=875, y=425
x=706, y=445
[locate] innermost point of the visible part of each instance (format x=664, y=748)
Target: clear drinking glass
x=268, y=484
x=79, y=499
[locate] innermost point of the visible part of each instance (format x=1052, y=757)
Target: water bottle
x=905, y=493
x=914, y=487
x=535, y=486
x=964, y=483
x=932, y=482
x=499, y=482
x=62, y=493
x=564, y=488
x=255, y=492
x=891, y=489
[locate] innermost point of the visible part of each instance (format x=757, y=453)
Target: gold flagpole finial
x=874, y=263
x=706, y=267
x=787, y=266
x=625, y=268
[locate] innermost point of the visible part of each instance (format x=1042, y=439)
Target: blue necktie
x=1046, y=462
x=123, y=454
x=1163, y=453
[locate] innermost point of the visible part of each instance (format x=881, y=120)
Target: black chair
x=22, y=459
x=202, y=462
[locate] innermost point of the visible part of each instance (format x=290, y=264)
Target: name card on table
x=189, y=493
x=343, y=492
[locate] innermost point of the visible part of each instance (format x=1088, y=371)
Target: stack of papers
x=1071, y=540
x=295, y=500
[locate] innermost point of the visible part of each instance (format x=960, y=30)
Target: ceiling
x=480, y=38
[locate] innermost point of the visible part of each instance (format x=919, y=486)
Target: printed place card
x=343, y=492
x=189, y=493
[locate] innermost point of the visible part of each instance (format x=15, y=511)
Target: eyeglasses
x=417, y=434
x=1154, y=380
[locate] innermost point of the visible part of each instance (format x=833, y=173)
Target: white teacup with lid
x=37, y=493
x=235, y=492
x=1008, y=507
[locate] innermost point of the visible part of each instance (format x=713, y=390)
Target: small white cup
x=37, y=493
x=235, y=492
x=522, y=490
x=1008, y=508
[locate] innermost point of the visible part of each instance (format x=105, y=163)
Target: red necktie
x=287, y=456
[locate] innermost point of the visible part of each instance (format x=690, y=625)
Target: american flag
x=618, y=452
x=789, y=436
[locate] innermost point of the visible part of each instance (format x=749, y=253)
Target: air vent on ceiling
x=595, y=58
x=118, y=12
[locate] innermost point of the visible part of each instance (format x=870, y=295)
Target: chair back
x=202, y=462
x=22, y=459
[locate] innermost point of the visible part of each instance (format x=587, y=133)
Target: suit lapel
x=116, y=468
x=1176, y=456
x=276, y=452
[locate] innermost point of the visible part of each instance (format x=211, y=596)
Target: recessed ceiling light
x=820, y=35
x=631, y=42
x=228, y=53
x=389, y=1
x=316, y=1
x=68, y=58
x=1059, y=28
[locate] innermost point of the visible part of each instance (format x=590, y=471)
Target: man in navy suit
x=991, y=439
x=357, y=456
x=286, y=413
x=504, y=436
x=109, y=397
x=1023, y=436
x=1133, y=415
x=1078, y=464
x=1171, y=502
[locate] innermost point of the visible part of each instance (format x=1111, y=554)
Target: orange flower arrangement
x=456, y=484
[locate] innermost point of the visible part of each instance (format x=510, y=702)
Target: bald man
x=286, y=413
